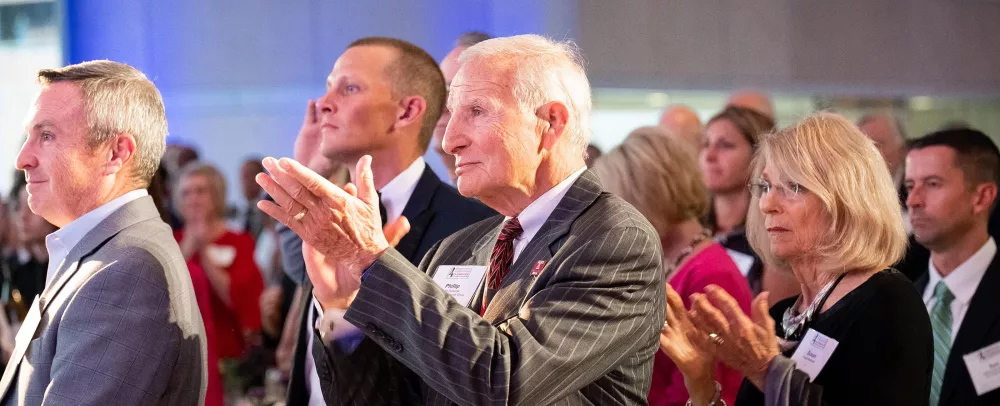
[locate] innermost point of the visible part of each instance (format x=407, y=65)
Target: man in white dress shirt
x=951, y=177
x=117, y=322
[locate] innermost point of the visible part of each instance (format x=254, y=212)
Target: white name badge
x=984, y=368
x=743, y=261
x=460, y=281
x=814, y=351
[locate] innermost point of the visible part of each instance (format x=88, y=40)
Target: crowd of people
x=734, y=262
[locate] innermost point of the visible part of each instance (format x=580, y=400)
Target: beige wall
x=856, y=47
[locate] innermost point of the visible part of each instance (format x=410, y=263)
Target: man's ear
x=986, y=194
x=411, y=110
x=122, y=152
x=554, y=118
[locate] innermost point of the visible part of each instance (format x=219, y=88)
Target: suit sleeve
x=603, y=304
x=290, y=247
x=117, y=343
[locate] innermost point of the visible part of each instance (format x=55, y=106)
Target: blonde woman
x=825, y=210
x=659, y=176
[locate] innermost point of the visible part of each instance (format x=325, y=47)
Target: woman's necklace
x=698, y=239
x=793, y=324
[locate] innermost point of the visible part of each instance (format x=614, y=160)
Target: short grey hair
x=119, y=99
x=544, y=71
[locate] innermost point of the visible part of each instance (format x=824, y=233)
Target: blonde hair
x=119, y=99
x=544, y=70
x=658, y=175
x=828, y=155
x=216, y=184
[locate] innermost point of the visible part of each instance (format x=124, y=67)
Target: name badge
x=814, y=351
x=743, y=261
x=984, y=368
x=460, y=281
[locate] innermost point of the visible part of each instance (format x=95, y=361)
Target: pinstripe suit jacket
x=583, y=331
x=119, y=322
x=435, y=210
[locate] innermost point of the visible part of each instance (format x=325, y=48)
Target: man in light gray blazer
x=558, y=301
x=117, y=323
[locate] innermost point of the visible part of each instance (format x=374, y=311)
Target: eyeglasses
x=789, y=190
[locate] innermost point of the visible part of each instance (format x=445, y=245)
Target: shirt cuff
x=332, y=327
x=364, y=274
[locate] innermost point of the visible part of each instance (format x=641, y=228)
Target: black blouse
x=885, y=351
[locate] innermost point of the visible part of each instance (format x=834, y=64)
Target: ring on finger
x=299, y=216
x=715, y=339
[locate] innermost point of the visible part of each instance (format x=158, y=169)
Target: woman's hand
x=195, y=238
x=689, y=351
x=745, y=344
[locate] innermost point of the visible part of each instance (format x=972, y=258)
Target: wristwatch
x=716, y=398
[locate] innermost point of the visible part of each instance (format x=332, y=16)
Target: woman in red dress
x=225, y=259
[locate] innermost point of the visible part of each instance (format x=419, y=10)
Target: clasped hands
x=716, y=329
x=340, y=227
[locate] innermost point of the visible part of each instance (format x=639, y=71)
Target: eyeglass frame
x=791, y=190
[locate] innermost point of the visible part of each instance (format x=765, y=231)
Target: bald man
x=683, y=124
x=753, y=99
x=449, y=67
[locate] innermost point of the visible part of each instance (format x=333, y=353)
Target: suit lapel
x=131, y=213
x=418, y=212
x=542, y=247
x=983, y=315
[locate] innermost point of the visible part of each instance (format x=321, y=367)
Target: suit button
x=372, y=329
x=396, y=346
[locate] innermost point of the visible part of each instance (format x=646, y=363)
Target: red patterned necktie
x=500, y=261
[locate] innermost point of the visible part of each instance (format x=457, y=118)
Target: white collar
x=534, y=216
x=60, y=242
x=963, y=281
x=397, y=192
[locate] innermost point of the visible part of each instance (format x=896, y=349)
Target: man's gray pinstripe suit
x=583, y=331
x=119, y=323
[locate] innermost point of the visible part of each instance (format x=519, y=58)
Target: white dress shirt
x=63, y=240
x=534, y=216
x=962, y=282
x=395, y=195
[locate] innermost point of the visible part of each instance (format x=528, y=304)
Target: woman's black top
x=884, y=355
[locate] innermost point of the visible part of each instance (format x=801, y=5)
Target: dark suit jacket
x=582, y=331
x=435, y=210
x=980, y=327
x=914, y=263
x=119, y=322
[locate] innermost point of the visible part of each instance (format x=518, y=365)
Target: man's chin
x=924, y=238
x=466, y=186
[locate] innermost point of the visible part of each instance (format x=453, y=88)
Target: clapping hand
x=689, y=349
x=340, y=228
x=745, y=344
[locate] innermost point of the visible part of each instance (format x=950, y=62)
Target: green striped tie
x=941, y=325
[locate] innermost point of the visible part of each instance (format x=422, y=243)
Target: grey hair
x=544, y=71
x=468, y=39
x=119, y=99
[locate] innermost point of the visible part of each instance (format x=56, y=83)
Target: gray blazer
x=118, y=325
x=583, y=331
